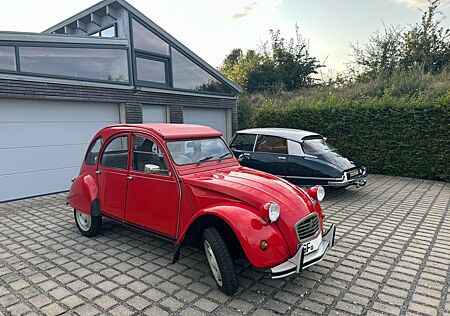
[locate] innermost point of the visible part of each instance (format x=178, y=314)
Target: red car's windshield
x=192, y=151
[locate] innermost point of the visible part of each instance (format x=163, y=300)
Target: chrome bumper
x=359, y=182
x=300, y=261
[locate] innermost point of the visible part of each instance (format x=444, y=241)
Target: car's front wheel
x=220, y=261
x=88, y=225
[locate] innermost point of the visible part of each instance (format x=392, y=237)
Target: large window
x=145, y=39
x=151, y=70
x=188, y=75
x=81, y=63
x=7, y=58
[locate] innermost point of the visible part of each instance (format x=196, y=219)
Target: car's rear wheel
x=220, y=261
x=88, y=225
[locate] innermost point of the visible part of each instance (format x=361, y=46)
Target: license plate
x=311, y=245
x=353, y=173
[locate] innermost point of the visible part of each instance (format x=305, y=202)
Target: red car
x=183, y=184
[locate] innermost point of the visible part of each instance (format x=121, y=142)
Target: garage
x=215, y=118
x=154, y=113
x=42, y=143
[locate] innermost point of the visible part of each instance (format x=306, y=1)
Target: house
x=107, y=64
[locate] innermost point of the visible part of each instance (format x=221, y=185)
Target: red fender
x=82, y=193
x=250, y=229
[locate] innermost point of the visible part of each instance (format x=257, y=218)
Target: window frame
x=154, y=58
x=99, y=31
x=105, y=146
x=163, y=173
x=91, y=145
x=267, y=152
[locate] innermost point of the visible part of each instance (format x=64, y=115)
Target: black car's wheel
x=87, y=225
x=220, y=262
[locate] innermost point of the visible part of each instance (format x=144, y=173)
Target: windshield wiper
x=223, y=156
x=204, y=159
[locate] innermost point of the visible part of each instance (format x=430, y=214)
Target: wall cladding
x=132, y=98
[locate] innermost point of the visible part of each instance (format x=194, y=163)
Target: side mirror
x=242, y=157
x=151, y=169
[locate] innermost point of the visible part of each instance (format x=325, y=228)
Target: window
x=151, y=70
x=92, y=154
x=7, y=58
x=115, y=154
x=147, y=152
x=271, y=144
x=81, y=63
x=187, y=75
x=194, y=151
x=145, y=39
x=243, y=142
x=108, y=32
x=315, y=146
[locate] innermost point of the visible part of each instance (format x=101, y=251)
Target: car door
x=112, y=172
x=242, y=147
x=152, y=196
x=270, y=155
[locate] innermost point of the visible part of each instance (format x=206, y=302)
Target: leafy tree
x=426, y=44
x=278, y=64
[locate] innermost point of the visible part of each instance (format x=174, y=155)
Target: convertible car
x=302, y=157
x=182, y=183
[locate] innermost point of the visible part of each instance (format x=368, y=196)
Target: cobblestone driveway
x=392, y=257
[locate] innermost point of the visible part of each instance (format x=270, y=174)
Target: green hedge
x=407, y=136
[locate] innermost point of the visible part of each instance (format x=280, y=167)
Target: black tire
x=92, y=229
x=224, y=261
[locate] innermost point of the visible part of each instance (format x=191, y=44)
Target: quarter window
x=92, y=154
x=115, y=154
x=271, y=144
x=243, y=142
x=7, y=58
x=147, y=152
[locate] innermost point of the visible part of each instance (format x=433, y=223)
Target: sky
x=212, y=28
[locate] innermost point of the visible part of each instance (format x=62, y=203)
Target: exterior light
x=317, y=193
x=270, y=211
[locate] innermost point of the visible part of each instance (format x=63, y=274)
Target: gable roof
x=173, y=41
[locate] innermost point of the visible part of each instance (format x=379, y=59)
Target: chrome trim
x=314, y=178
x=307, y=217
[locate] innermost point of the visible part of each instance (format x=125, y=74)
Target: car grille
x=308, y=227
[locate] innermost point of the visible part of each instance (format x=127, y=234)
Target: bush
x=404, y=136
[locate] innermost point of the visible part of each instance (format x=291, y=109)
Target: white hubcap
x=213, y=263
x=83, y=220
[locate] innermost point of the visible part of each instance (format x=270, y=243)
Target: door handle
x=130, y=177
x=282, y=158
x=98, y=171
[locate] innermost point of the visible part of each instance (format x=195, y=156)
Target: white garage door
x=42, y=143
x=154, y=114
x=215, y=118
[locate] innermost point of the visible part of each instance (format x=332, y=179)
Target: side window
x=243, y=142
x=147, y=152
x=271, y=144
x=294, y=148
x=115, y=154
x=92, y=154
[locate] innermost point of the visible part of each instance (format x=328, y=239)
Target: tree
x=425, y=44
x=277, y=64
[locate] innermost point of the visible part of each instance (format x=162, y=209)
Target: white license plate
x=353, y=173
x=311, y=245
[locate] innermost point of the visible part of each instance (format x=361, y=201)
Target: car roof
x=170, y=131
x=288, y=133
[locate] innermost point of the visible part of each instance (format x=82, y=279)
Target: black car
x=302, y=157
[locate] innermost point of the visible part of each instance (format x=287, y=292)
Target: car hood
x=256, y=188
x=337, y=159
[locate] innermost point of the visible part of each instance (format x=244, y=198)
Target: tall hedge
x=407, y=136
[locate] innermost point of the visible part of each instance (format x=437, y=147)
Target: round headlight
x=320, y=193
x=274, y=212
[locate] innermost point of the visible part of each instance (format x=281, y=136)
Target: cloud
x=245, y=10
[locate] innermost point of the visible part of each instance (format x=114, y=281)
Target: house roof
x=167, y=36
x=171, y=131
x=291, y=134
